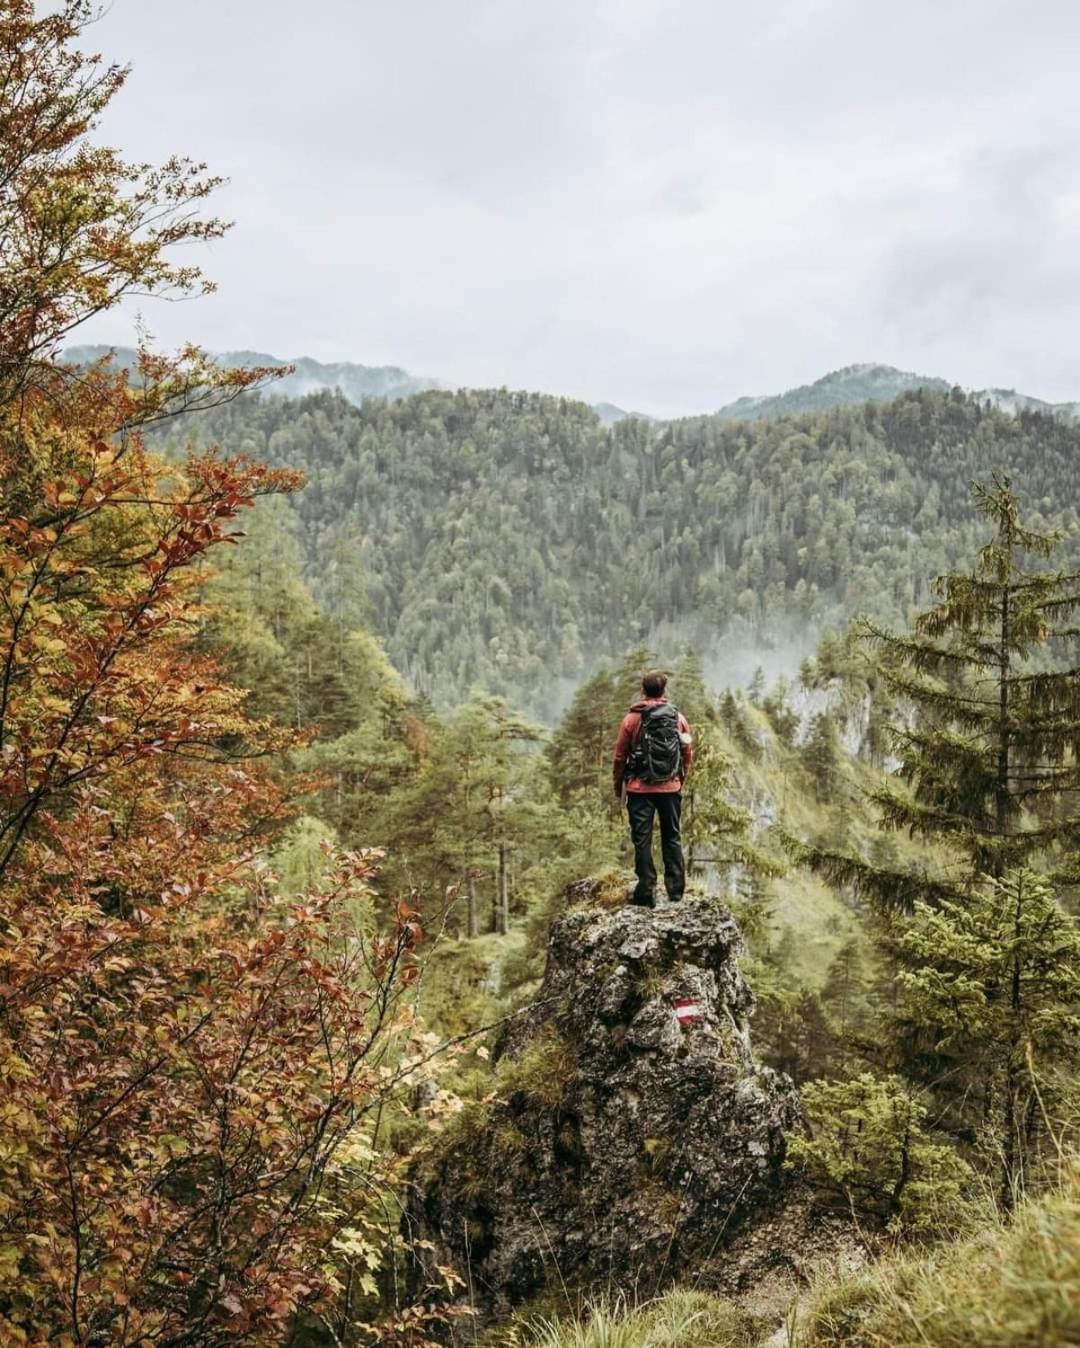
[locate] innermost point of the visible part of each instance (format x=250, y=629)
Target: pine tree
x=982, y=953
x=804, y=1040
x=468, y=812
x=996, y=980
x=845, y=1000
x=579, y=754
x=998, y=748
x=990, y=768
x=690, y=693
x=821, y=754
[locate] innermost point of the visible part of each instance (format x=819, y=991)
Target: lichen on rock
x=623, y=1142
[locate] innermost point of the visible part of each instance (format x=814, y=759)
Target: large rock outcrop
x=629, y=1132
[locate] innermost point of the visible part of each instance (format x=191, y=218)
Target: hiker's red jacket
x=628, y=733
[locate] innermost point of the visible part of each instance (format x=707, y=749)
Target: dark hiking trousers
x=641, y=806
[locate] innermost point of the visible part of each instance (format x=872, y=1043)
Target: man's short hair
x=654, y=683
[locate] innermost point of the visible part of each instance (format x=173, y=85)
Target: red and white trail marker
x=688, y=1011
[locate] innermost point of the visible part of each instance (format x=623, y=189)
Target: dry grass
x=611, y=889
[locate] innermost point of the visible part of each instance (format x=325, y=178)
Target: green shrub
x=866, y=1151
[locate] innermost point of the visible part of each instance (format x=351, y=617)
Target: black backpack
x=657, y=755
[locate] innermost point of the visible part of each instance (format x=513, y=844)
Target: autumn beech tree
x=80, y=227
x=182, y=1052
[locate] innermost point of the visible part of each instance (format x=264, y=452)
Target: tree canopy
x=510, y=540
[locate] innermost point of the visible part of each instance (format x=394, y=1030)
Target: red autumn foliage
x=182, y=1052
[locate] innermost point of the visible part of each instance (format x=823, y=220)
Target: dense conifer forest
x=510, y=540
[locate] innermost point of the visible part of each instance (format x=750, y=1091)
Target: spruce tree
x=998, y=749
x=989, y=772
x=844, y=998
x=990, y=759
x=821, y=754
x=996, y=980
x=734, y=715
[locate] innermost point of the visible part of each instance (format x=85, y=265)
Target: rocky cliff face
x=629, y=1132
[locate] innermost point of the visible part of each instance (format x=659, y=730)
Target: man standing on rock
x=653, y=754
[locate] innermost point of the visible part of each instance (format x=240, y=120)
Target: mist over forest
x=511, y=541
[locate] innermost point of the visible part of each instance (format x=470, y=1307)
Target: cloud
x=667, y=203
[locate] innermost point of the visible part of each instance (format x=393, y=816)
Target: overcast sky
x=663, y=203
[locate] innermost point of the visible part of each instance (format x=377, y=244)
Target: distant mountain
x=355, y=382
x=609, y=414
x=1008, y=400
x=857, y=384
x=850, y=387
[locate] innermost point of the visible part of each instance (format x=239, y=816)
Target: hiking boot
x=635, y=902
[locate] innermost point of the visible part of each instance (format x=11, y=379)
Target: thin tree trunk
x=1008, y=1143
x=905, y=1173
x=1002, y=793
x=1001, y=809
x=1012, y=1177
x=473, y=915
x=502, y=912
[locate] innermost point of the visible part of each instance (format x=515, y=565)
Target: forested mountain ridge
x=847, y=387
x=872, y=382
x=510, y=540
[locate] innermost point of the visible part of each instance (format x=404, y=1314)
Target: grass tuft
x=680, y=1319
x=610, y=889
x=541, y=1073
x=1015, y=1286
